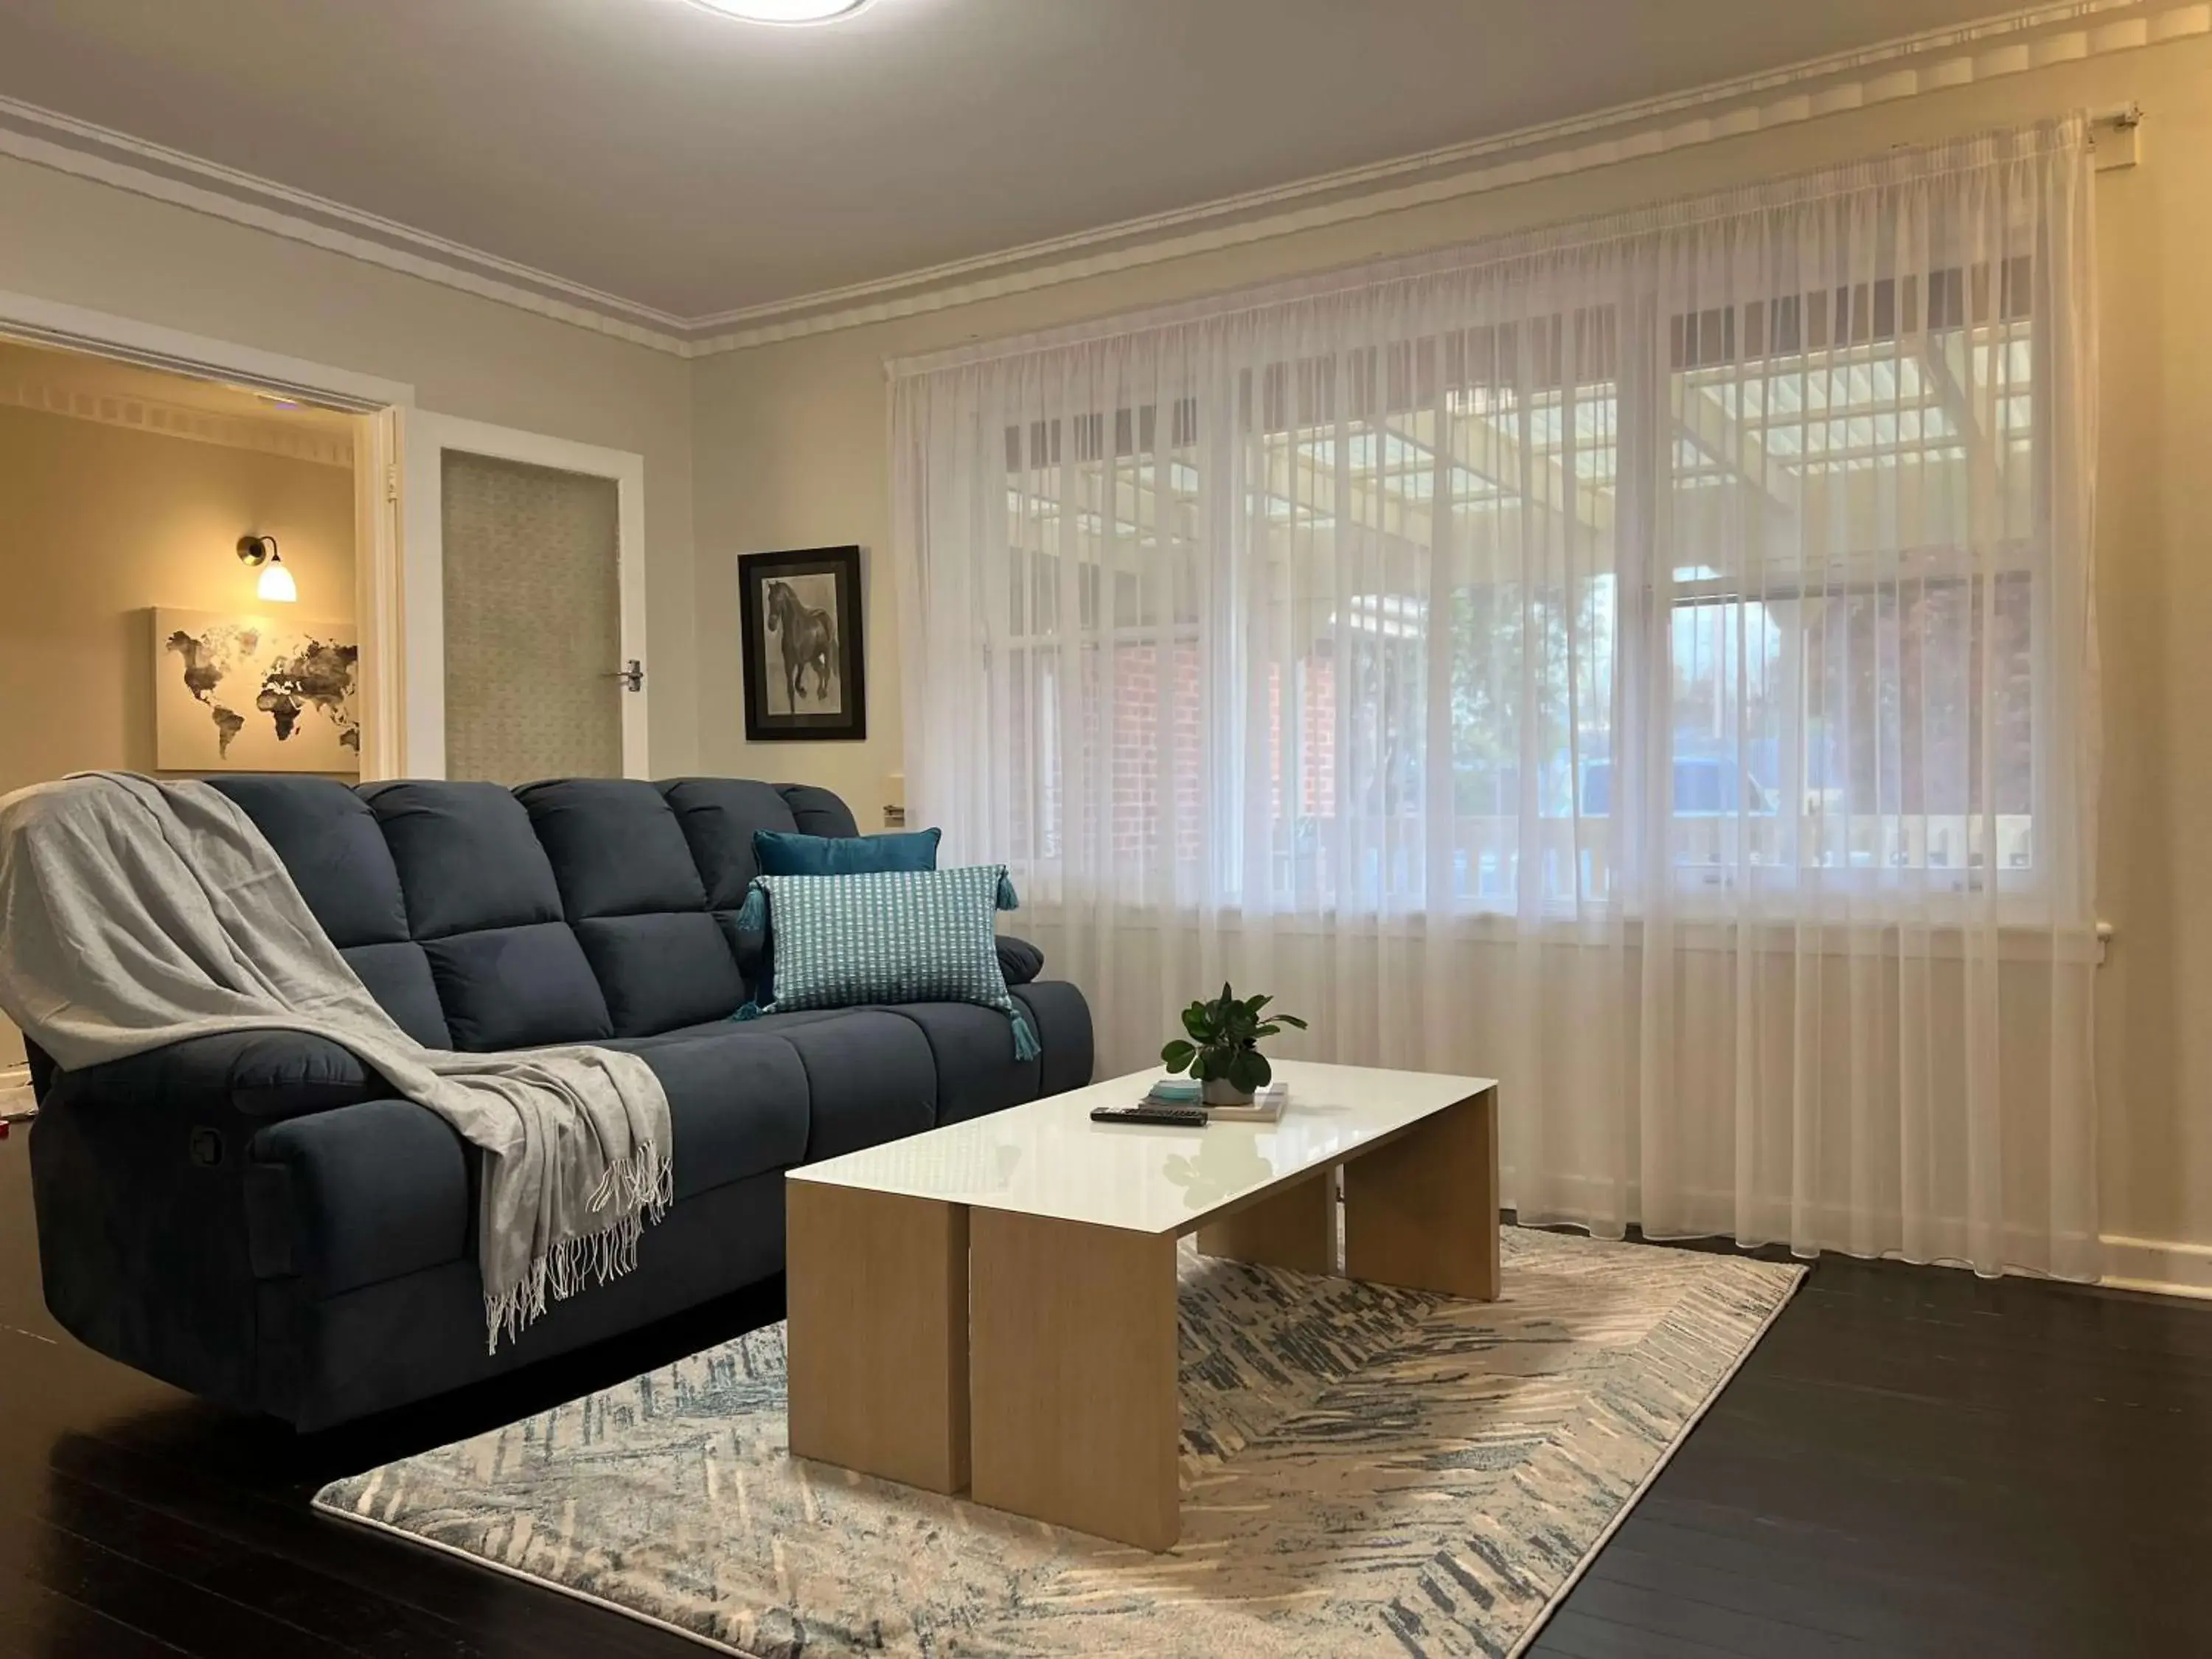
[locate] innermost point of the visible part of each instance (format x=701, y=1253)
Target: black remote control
x=1176, y=1117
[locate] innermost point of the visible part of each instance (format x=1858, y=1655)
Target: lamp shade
x=276, y=586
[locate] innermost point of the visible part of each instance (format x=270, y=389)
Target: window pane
x=1854, y=565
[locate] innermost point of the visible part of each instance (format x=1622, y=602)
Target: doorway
x=524, y=601
x=398, y=454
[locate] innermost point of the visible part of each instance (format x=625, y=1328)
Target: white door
x=522, y=604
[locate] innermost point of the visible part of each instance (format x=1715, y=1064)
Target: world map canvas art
x=254, y=694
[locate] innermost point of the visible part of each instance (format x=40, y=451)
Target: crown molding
x=1909, y=66
x=169, y=420
x=51, y=139
x=1913, y=66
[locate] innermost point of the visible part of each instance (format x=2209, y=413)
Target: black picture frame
x=820, y=595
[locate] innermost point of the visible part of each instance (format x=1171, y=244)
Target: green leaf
x=1249, y=1069
x=1253, y=1005
x=1269, y=1029
x=1178, y=1054
x=1198, y=1020
x=1291, y=1020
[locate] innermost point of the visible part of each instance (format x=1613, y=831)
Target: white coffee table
x=990, y=1307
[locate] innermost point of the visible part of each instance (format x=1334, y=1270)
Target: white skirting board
x=2166, y=1265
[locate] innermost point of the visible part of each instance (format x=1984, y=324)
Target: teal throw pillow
x=787, y=853
x=891, y=936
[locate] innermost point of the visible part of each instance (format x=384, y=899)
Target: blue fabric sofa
x=258, y=1219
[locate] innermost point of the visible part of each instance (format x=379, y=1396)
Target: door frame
x=414, y=582
x=378, y=406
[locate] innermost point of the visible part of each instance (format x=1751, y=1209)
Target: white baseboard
x=2166, y=1265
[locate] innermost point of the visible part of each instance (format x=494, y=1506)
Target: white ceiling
x=693, y=165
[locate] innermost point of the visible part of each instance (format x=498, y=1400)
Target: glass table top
x=1049, y=1158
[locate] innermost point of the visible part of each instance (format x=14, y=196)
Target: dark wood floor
x=1913, y=1462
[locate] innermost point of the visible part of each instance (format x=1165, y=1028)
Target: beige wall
x=97, y=524
x=85, y=244
x=791, y=452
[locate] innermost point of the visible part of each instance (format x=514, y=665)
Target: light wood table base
x=1421, y=1210
x=876, y=1295
x=1294, y=1228
x=1071, y=1375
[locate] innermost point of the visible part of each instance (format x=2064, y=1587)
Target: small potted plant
x=1223, y=1049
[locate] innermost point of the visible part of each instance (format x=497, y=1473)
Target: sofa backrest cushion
x=568, y=911
x=331, y=841
x=662, y=970
x=517, y=987
x=335, y=848
x=615, y=846
x=719, y=816
x=398, y=976
x=467, y=857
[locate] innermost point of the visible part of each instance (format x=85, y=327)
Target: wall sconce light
x=276, y=585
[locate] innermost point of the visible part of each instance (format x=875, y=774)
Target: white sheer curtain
x=1650, y=662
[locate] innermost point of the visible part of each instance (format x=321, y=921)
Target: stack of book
x=1266, y=1105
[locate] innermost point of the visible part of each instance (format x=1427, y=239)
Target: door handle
x=632, y=677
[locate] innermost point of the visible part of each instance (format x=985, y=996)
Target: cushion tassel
x=1025, y=1043
x=752, y=917
x=1008, y=900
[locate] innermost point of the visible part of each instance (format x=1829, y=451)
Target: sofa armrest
x=1019, y=960
x=350, y=1197
x=267, y=1075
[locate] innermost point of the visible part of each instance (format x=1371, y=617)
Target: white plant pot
x=1221, y=1092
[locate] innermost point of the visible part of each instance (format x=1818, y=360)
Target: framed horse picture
x=805, y=673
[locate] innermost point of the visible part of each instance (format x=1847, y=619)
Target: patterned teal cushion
x=890, y=936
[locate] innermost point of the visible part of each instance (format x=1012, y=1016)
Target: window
x=1102, y=592
x=1530, y=592
x=1839, y=580
x=1853, y=569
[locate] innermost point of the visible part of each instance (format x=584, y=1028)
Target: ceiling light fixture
x=276, y=585
x=787, y=12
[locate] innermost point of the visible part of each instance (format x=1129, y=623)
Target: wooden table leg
x=876, y=1293
x=1071, y=1372
x=1421, y=1210
x=1294, y=1228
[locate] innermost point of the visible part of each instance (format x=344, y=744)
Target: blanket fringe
x=643, y=1187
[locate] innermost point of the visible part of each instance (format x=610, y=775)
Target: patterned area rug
x=1365, y=1470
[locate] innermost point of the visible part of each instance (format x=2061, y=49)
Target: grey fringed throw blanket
x=135, y=913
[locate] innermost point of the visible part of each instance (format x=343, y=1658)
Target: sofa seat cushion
x=370, y=1191
x=870, y=1075
x=737, y=1106
x=867, y=1075
x=976, y=1070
